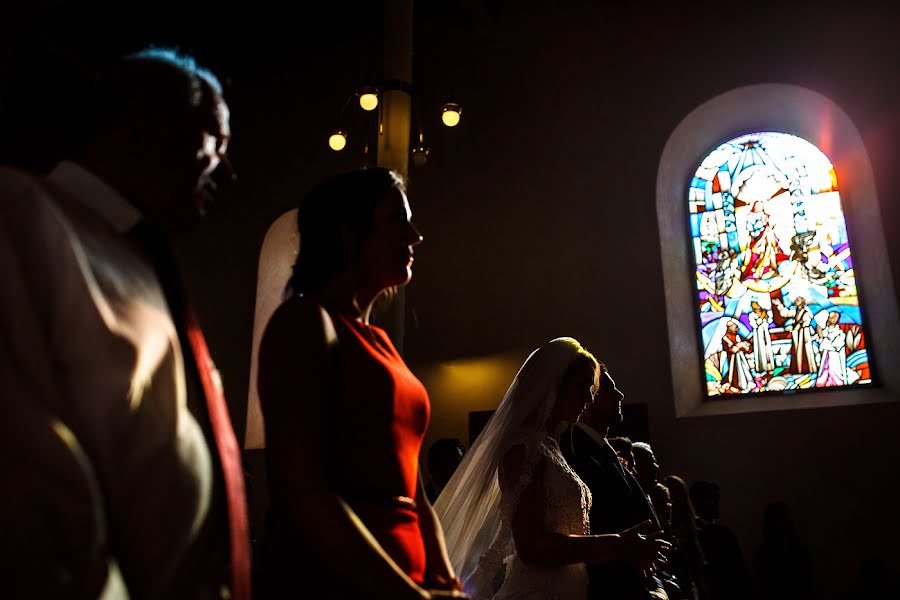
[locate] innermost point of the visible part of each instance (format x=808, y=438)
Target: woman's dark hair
x=341, y=204
x=585, y=359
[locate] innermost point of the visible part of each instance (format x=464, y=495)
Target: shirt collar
x=96, y=195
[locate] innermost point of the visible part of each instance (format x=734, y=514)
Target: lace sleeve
x=517, y=474
x=488, y=575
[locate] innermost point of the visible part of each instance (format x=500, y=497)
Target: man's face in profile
x=606, y=410
x=191, y=157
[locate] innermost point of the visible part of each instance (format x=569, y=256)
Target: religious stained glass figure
x=803, y=357
x=736, y=374
x=773, y=266
x=760, y=320
x=832, y=342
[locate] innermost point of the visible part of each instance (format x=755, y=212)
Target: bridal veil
x=478, y=538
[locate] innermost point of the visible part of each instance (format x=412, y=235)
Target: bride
x=515, y=515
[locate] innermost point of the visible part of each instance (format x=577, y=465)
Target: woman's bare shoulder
x=301, y=320
x=300, y=335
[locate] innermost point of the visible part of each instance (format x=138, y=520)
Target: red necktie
x=160, y=255
x=229, y=457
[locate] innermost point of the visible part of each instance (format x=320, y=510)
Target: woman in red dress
x=344, y=416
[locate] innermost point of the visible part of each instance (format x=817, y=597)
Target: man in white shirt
x=92, y=333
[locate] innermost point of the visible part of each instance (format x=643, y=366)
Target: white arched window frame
x=276, y=258
x=815, y=118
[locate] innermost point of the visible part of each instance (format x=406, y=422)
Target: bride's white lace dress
x=477, y=505
x=567, y=502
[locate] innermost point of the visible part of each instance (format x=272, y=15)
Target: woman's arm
x=296, y=380
x=536, y=545
x=438, y=571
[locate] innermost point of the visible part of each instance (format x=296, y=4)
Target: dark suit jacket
x=618, y=503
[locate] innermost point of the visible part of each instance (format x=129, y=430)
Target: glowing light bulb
x=451, y=114
x=338, y=140
x=368, y=100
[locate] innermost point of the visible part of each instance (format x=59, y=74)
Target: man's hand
x=646, y=552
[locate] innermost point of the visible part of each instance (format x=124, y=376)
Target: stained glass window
x=776, y=290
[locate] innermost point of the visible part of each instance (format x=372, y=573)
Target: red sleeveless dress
x=380, y=417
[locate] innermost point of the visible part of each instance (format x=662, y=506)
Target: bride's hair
x=471, y=506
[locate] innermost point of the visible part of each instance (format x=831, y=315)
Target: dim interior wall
x=459, y=387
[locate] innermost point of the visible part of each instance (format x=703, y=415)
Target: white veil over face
x=471, y=507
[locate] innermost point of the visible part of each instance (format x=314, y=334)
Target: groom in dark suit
x=618, y=500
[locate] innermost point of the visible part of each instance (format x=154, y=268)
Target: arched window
x=762, y=285
x=279, y=249
x=777, y=301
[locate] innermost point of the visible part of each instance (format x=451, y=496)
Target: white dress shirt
x=87, y=334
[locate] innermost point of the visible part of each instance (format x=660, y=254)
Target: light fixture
x=420, y=152
x=451, y=112
x=338, y=140
x=368, y=97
